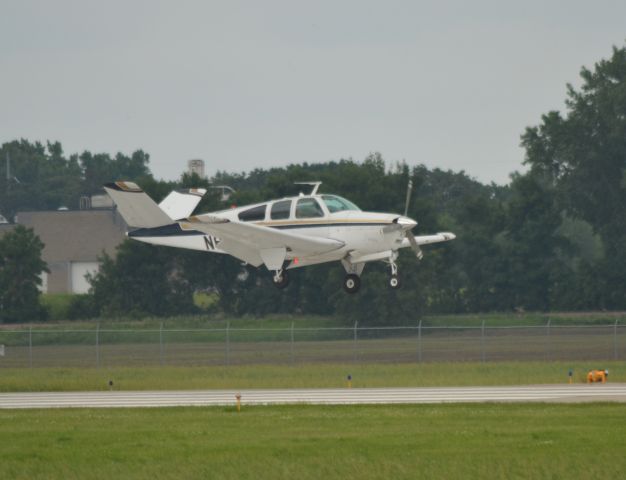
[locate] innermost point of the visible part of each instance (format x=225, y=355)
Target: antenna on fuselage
x=315, y=185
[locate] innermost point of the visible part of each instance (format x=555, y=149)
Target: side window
x=253, y=214
x=281, y=210
x=308, y=208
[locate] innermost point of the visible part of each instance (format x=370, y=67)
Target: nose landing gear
x=394, y=281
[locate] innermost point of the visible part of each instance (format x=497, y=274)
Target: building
x=73, y=241
x=196, y=166
x=6, y=228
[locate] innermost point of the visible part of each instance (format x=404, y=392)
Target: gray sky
x=260, y=84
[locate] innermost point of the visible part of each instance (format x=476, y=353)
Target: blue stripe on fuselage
x=174, y=229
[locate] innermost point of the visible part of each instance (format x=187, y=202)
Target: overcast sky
x=268, y=83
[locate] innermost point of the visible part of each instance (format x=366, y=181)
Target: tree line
x=551, y=239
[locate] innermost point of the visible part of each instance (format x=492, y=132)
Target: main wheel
x=352, y=283
x=282, y=281
x=394, y=282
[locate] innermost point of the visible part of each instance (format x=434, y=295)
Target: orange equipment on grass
x=597, y=376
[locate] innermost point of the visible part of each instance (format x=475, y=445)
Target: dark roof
x=78, y=236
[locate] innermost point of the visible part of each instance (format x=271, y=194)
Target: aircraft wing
x=428, y=239
x=256, y=244
x=436, y=238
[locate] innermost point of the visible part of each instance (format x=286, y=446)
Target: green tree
x=583, y=152
x=141, y=280
x=20, y=269
x=533, y=247
x=41, y=177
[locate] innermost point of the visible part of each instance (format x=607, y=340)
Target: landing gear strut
x=394, y=281
x=280, y=279
x=351, y=283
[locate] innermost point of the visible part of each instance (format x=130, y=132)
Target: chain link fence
x=103, y=347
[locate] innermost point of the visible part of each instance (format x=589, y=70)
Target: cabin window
x=253, y=214
x=338, y=204
x=281, y=210
x=308, y=208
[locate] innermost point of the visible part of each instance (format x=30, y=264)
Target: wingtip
x=192, y=191
x=123, y=186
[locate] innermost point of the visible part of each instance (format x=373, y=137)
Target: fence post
x=161, y=359
x=419, y=341
x=615, y=340
x=98, y=345
x=355, y=340
x=30, y=346
x=292, y=338
x=482, y=342
x=228, y=342
x=548, y=345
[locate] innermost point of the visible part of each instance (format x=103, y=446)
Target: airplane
x=282, y=234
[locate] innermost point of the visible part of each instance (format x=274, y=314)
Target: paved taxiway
x=106, y=399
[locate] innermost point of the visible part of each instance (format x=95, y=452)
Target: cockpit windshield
x=338, y=204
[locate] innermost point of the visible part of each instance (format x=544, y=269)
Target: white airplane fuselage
x=281, y=234
x=363, y=234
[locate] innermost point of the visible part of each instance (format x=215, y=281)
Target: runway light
x=238, y=397
x=111, y=385
x=295, y=261
x=569, y=374
x=349, y=381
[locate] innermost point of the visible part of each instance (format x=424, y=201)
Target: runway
x=340, y=396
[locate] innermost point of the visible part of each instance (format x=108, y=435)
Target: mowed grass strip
x=311, y=442
x=301, y=376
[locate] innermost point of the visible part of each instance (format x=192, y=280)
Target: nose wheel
x=394, y=281
x=280, y=279
x=351, y=283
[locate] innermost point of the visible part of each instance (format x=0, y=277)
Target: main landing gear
x=280, y=279
x=352, y=283
x=352, y=280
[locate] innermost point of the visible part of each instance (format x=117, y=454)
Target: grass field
x=311, y=442
x=301, y=376
x=284, y=321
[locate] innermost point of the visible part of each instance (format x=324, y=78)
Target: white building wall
x=43, y=288
x=78, y=270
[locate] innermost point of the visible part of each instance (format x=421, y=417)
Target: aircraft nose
x=406, y=223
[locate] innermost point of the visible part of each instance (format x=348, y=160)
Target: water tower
x=196, y=166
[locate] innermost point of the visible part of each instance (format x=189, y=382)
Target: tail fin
x=180, y=204
x=136, y=207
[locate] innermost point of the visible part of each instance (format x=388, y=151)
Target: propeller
x=408, y=197
x=416, y=248
x=408, y=233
